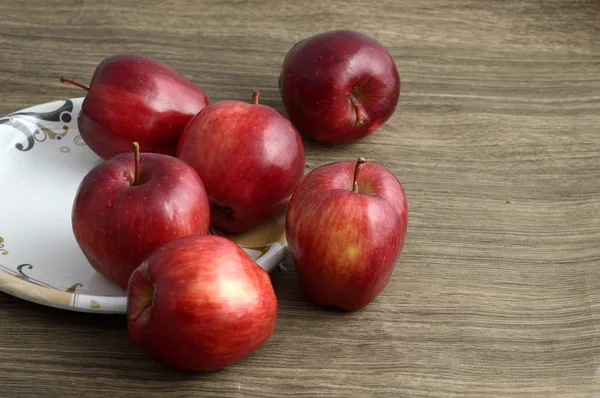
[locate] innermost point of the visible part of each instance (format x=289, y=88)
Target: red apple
x=250, y=158
x=345, y=226
x=339, y=86
x=129, y=205
x=133, y=97
x=200, y=303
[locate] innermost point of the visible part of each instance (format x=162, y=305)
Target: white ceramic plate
x=42, y=162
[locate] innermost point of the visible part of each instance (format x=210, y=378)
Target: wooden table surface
x=496, y=141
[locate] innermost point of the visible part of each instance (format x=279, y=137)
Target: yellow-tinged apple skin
x=345, y=244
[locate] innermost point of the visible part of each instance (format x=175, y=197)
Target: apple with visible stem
x=250, y=158
x=129, y=205
x=346, y=226
x=199, y=303
x=339, y=86
x=133, y=97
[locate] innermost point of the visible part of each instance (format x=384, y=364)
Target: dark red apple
x=200, y=303
x=345, y=226
x=250, y=158
x=129, y=205
x=339, y=86
x=133, y=97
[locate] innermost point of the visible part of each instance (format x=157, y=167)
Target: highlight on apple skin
x=199, y=303
x=339, y=86
x=346, y=226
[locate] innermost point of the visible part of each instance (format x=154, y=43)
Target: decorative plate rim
x=10, y=284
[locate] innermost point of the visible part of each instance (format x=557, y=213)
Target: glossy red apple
x=200, y=303
x=129, y=205
x=345, y=226
x=133, y=97
x=250, y=158
x=339, y=86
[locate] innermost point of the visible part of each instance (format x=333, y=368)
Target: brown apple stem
x=359, y=163
x=143, y=308
x=359, y=118
x=136, y=152
x=73, y=82
x=255, y=95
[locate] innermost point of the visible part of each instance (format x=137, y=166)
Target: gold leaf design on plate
x=51, y=134
x=261, y=249
x=15, y=286
x=262, y=235
x=74, y=287
x=3, y=251
x=95, y=304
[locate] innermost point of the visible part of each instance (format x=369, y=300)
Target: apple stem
x=142, y=308
x=136, y=153
x=73, y=82
x=255, y=95
x=359, y=163
x=359, y=118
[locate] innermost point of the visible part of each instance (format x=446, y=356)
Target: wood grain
x=497, y=143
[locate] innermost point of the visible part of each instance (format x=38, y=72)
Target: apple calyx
x=255, y=95
x=359, y=163
x=136, y=153
x=359, y=118
x=222, y=210
x=73, y=82
x=145, y=305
